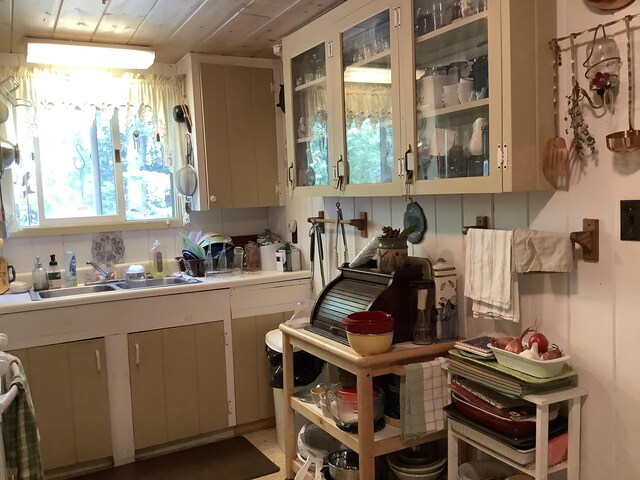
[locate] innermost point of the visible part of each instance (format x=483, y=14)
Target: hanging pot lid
x=415, y=216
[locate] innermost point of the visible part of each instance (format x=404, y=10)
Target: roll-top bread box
x=363, y=289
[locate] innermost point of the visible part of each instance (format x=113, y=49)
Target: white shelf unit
x=539, y=469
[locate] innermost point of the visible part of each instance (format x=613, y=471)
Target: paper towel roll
x=268, y=255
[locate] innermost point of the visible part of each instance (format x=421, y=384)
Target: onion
x=515, y=345
x=553, y=353
x=500, y=342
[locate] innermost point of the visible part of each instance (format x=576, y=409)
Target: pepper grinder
x=423, y=331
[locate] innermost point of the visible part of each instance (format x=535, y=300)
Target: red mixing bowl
x=370, y=322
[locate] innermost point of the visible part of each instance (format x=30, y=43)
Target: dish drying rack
x=9, y=370
x=7, y=87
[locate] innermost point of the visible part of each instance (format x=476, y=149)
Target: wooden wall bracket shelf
x=588, y=239
x=481, y=222
x=359, y=223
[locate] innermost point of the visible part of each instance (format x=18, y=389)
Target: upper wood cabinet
x=236, y=133
x=414, y=96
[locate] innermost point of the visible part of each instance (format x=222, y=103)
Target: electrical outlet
x=630, y=220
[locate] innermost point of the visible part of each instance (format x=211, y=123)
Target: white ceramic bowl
x=479, y=470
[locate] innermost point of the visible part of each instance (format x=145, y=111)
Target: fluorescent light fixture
x=367, y=75
x=89, y=55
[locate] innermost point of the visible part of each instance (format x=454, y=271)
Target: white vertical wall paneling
x=380, y=215
x=356, y=242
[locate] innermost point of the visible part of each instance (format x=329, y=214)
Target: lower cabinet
x=178, y=383
x=68, y=385
x=254, y=396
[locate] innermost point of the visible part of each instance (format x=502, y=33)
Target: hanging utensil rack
x=359, y=223
x=592, y=29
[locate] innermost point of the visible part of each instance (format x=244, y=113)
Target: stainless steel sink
x=158, y=282
x=112, y=286
x=65, y=292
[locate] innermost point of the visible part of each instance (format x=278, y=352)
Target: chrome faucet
x=100, y=270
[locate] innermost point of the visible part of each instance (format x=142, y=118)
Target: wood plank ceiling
x=173, y=28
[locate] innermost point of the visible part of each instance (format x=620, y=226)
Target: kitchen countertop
x=21, y=302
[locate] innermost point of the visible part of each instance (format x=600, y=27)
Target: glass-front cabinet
x=343, y=135
x=479, y=95
x=387, y=97
x=370, y=134
x=311, y=150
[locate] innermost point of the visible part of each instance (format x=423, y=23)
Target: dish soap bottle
x=158, y=264
x=55, y=279
x=39, y=274
x=70, y=272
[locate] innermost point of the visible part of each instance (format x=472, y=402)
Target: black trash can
x=306, y=369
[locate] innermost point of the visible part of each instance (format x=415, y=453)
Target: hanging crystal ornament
x=603, y=67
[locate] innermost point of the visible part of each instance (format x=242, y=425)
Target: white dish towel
x=489, y=277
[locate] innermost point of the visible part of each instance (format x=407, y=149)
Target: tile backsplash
x=21, y=252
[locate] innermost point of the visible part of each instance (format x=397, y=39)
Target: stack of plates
x=405, y=469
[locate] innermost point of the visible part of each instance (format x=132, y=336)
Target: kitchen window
x=95, y=148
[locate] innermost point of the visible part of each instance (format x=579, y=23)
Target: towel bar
x=588, y=239
x=481, y=222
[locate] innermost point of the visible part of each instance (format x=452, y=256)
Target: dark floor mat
x=232, y=459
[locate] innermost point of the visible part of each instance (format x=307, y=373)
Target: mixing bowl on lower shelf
x=343, y=465
x=370, y=344
x=343, y=407
x=481, y=470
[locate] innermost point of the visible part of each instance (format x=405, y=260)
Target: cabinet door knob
x=98, y=362
x=213, y=199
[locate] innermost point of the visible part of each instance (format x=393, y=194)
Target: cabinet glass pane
x=310, y=113
x=452, y=90
x=366, y=58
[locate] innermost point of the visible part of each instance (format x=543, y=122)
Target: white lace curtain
x=151, y=97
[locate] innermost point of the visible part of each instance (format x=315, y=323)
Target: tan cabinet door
x=146, y=370
x=212, y=376
x=254, y=396
x=181, y=382
x=178, y=383
x=240, y=135
x=68, y=384
x=90, y=396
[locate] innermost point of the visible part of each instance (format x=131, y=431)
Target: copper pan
x=626, y=141
x=608, y=4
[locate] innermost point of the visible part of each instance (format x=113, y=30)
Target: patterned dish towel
x=423, y=394
x=20, y=432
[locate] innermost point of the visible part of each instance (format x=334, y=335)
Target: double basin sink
x=111, y=286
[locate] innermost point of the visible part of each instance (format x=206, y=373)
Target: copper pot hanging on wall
x=608, y=4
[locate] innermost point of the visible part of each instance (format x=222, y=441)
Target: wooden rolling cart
x=365, y=442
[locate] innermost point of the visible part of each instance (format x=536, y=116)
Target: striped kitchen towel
x=20, y=432
x=423, y=394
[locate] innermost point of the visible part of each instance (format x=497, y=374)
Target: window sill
x=96, y=228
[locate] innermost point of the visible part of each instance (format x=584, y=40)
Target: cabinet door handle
x=407, y=172
x=505, y=156
x=499, y=157
x=399, y=14
x=98, y=362
x=137, y=354
x=290, y=174
x=330, y=47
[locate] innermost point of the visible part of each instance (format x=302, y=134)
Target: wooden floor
x=266, y=441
